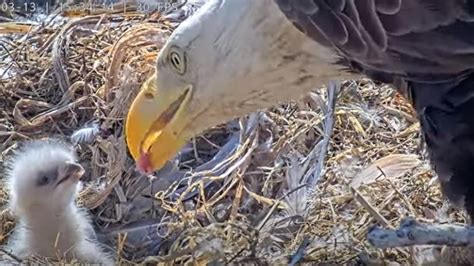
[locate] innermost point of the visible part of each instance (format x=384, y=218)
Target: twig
x=299, y=254
x=57, y=58
x=412, y=232
x=313, y=175
x=275, y=205
x=368, y=207
x=11, y=255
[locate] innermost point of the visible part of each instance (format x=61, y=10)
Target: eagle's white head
x=227, y=60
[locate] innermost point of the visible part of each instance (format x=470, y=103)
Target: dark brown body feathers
x=423, y=46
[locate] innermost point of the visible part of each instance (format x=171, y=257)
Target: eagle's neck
x=270, y=60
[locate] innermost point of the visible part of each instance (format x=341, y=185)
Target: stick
x=412, y=232
x=299, y=254
x=314, y=174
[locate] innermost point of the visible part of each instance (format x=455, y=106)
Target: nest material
x=234, y=194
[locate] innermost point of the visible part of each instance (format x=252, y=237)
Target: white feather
x=86, y=134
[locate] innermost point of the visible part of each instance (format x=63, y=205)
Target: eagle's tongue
x=144, y=163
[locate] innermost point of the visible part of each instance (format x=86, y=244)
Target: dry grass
x=234, y=193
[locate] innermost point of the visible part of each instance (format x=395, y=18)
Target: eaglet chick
x=43, y=181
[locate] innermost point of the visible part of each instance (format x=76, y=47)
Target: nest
x=239, y=192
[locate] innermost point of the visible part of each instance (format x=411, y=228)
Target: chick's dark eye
x=43, y=180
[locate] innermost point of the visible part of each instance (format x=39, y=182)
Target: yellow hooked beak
x=155, y=125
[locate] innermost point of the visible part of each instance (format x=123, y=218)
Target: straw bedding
x=234, y=194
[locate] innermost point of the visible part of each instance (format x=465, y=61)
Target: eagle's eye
x=177, y=60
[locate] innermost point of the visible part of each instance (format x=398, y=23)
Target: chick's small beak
x=155, y=123
x=70, y=171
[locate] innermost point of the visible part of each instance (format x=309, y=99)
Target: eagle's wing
x=427, y=46
x=419, y=40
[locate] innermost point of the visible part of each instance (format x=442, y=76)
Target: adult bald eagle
x=234, y=57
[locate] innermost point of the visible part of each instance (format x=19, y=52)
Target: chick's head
x=43, y=174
